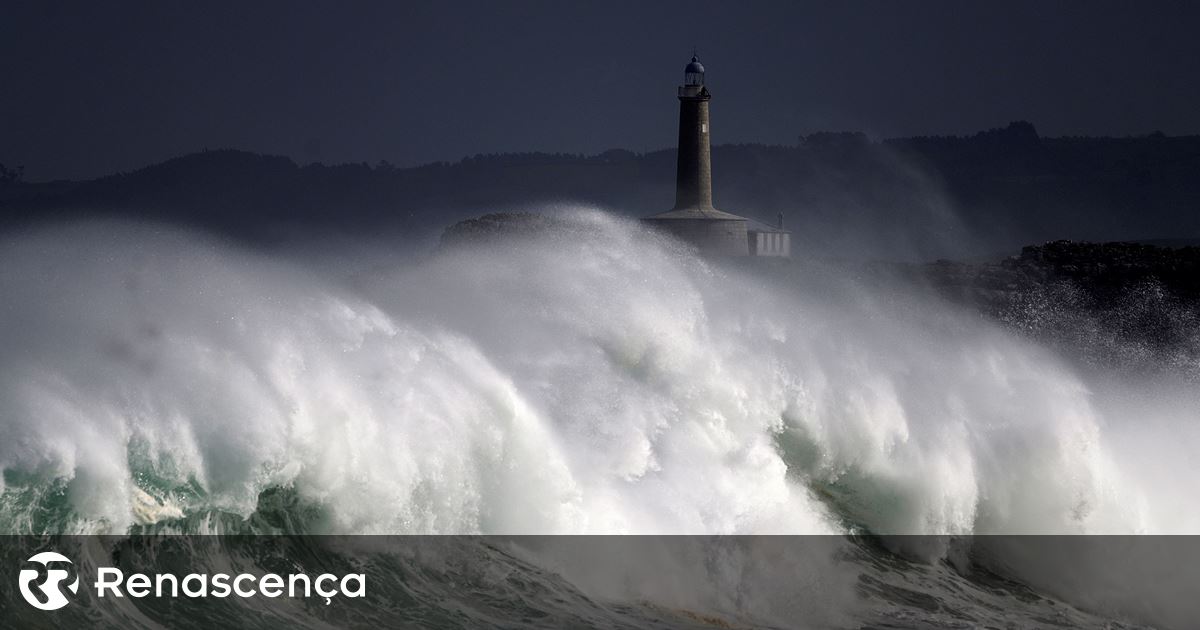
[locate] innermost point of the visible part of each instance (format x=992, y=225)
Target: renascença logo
x=51, y=588
x=113, y=582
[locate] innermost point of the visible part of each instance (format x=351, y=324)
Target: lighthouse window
x=703, y=127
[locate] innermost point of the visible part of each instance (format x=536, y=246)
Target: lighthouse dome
x=693, y=75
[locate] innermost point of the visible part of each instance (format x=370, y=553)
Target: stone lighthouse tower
x=694, y=219
x=693, y=173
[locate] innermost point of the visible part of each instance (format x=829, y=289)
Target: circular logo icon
x=52, y=597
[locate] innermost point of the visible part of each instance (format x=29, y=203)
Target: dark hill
x=844, y=195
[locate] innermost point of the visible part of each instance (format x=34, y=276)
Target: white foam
x=559, y=385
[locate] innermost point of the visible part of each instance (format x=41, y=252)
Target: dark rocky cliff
x=1124, y=305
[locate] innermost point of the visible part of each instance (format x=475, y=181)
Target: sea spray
x=590, y=378
x=599, y=380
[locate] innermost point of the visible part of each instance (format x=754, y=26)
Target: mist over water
x=594, y=379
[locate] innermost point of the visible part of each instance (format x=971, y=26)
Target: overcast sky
x=95, y=87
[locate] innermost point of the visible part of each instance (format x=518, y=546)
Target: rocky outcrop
x=506, y=227
x=1128, y=305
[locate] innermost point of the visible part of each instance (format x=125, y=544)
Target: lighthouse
x=693, y=169
x=694, y=218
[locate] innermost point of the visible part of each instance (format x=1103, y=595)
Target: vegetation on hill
x=844, y=195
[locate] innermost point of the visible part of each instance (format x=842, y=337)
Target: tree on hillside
x=11, y=175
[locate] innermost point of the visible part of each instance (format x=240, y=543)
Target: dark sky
x=94, y=87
